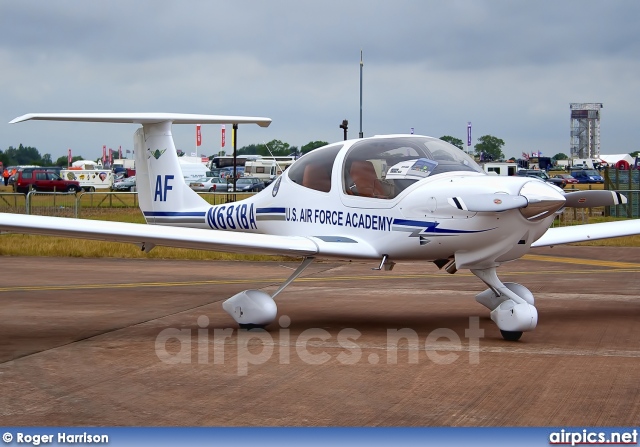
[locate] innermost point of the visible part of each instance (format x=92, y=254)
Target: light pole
x=361, y=64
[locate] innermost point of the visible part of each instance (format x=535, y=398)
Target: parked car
x=587, y=176
x=542, y=175
x=248, y=184
x=124, y=184
x=42, y=180
x=228, y=172
x=569, y=179
x=209, y=184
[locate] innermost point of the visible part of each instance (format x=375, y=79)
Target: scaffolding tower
x=585, y=130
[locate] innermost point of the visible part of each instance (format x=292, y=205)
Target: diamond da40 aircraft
x=384, y=198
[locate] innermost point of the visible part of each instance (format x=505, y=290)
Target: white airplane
x=384, y=198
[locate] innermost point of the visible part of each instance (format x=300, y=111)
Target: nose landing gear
x=511, y=304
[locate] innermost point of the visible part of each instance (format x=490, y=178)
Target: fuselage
x=403, y=204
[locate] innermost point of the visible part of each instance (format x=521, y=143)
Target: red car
x=42, y=180
x=568, y=179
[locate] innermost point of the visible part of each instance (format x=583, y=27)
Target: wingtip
x=20, y=119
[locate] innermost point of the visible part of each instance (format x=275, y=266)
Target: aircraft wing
x=587, y=232
x=151, y=235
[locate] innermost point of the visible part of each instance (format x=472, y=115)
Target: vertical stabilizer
x=164, y=196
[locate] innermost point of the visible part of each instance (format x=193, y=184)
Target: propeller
x=591, y=199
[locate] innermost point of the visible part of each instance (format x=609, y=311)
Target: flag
x=525, y=156
x=223, y=135
x=198, y=135
x=110, y=156
x=120, y=152
x=469, y=134
x=128, y=151
x=104, y=155
x=539, y=154
x=69, y=158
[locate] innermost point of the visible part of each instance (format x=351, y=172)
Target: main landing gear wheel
x=250, y=326
x=511, y=335
x=253, y=309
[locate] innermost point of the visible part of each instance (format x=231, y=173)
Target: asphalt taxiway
x=95, y=342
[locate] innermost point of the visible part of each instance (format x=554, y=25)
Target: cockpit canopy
x=381, y=167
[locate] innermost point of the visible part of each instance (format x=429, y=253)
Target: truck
x=586, y=163
x=126, y=163
x=89, y=174
x=498, y=168
x=126, y=166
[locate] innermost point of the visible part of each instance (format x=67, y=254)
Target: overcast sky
x=510, y=67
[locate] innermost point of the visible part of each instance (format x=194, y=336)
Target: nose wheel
x=511, y=335
x=511, y=305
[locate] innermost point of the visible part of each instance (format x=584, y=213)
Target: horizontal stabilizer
x=590, y=199
x=487, y=203
x=145, y=118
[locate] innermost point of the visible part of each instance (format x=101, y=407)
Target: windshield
x=591, y=172
x=384, y=167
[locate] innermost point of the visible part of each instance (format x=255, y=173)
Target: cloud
x=511, y=68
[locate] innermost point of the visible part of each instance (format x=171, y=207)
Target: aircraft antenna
x=273, y=156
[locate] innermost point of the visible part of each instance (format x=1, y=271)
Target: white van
x=192, y=171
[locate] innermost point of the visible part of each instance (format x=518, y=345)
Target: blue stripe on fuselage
x=431, y=227
x=175, y=213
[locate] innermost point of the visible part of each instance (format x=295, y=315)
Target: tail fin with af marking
x=163, y=195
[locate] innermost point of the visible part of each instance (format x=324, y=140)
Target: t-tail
x=163, y=195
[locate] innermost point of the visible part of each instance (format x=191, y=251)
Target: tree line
x=279, y=148
x=489, y=148
x=28, y=155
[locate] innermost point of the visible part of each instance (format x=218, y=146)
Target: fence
x=13, y=203
x=627, y=183
x=58, y=204
x=87, y=204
